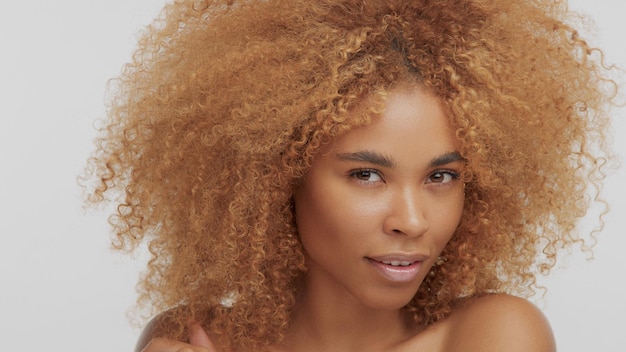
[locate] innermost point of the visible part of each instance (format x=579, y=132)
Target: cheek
x=321, y=220
x=458, y=207
x=314, y=221
x=449, y=217
x=332, y=219
x=317, y=230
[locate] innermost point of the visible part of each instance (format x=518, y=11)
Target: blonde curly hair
x=225, y=104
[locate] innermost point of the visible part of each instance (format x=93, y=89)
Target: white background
x=62, y=288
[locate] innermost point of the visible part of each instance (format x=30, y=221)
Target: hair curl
x=225, y=103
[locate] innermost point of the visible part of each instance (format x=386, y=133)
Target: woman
x=353, y=175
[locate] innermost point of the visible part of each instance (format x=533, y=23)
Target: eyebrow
x=368, y=157
x=382, y=160
x=447, y=158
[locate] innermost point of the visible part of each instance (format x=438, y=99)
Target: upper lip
x=400, y=257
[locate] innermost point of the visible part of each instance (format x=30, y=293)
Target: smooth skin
x=389, y=191
x=381, y=195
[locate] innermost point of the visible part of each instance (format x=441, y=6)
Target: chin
x=389, y=300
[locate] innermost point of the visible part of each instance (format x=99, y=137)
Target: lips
x=397, y=268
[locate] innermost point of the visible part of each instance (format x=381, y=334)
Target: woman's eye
x=366, y=175
x=443, y=177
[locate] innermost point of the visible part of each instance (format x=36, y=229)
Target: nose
x=406, y=214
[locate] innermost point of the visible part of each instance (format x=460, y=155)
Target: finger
x=199, y=337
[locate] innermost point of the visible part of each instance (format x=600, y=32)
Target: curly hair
x=225, y=103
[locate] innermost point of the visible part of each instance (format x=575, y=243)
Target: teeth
x=397, y=263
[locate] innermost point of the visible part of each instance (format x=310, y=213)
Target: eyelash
x=453, y=176
x=356, y=173
x=451, y=173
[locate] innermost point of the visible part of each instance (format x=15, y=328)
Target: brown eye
x=366, y=175
x=443, y=177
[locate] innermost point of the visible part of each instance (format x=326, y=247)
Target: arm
x=500, y=323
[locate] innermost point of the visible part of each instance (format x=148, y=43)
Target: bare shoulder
x=499, y=323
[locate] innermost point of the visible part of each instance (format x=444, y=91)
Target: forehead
x=411, y=117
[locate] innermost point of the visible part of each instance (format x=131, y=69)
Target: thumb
x=199, y=337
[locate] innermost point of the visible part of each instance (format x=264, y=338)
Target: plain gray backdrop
x=62, y=288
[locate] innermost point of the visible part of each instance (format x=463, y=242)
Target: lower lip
x=397, y=273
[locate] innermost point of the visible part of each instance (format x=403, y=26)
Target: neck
x=327, y=321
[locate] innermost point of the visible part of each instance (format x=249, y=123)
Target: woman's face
x=380, y=203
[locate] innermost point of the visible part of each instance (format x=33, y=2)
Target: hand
x=199, y=341
x=199, y=337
